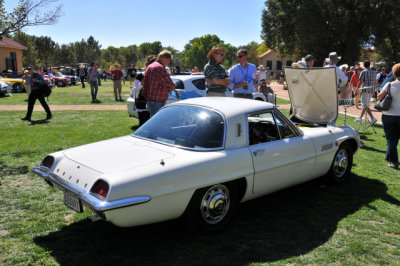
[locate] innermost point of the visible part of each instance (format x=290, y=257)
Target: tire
x=211, y=209
x=17, y=87
x=341, y=164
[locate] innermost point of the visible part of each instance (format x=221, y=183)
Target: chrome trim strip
x=88, y=199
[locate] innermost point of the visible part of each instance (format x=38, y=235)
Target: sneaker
x=373, y=120
x=358, y=120
x=26, y=119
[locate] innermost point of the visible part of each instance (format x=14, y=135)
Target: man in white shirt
x=332, y=61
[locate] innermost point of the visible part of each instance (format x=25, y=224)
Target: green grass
x=74, y=95
x=353, y=223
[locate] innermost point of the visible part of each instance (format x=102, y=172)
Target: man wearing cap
x=331, y=62
x=36, y=83
x=243, y=76
x=216, y=78
x=367, y=85
x=157, y=83
x=116, y=76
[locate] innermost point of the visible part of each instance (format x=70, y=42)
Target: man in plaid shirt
x=367, y=84
x=157, y=83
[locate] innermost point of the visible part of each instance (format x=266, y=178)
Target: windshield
x=186, y=126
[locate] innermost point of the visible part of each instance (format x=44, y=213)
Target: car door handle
x=258, y=152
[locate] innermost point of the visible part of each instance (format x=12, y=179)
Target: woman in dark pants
x=391, y=118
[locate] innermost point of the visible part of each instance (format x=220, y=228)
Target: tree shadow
x=288, y=223
x=372, y=149
x=6, y=170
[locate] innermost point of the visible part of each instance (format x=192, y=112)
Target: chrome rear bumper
x=88, y=199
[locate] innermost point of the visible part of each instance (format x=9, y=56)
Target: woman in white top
x=391, y=118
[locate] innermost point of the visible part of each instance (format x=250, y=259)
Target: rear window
x=200, y=84
x=179, y=84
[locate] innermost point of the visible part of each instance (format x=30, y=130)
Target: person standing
x=354, y=83
x=117, y=76
x=92, y=79
x=27, y=79
x=36, y=82
x=242, y=76
x=82, y=76
x=331, y=62
x=367, y=85
x=391, y=118
x=157, y=83
x=216, y=78
x=132, y=75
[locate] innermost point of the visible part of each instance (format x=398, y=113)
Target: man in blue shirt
x=36, y=83
x=243, y=76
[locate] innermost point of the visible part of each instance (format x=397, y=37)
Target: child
x=140, y=101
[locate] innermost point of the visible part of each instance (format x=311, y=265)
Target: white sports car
x=198, y=158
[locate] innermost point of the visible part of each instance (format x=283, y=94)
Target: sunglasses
x=219, y=54
x=240, y=56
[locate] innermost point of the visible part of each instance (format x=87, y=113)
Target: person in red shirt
x=116, y=76
x=353, y=83
x=157, y=83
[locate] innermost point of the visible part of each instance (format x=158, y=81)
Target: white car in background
x=188, y=86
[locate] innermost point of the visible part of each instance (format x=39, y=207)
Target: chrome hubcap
x=215, y=204
x=341, y=163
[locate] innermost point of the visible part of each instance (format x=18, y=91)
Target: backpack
x=46, y=90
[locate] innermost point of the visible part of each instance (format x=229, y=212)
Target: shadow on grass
x=39, y=122
x=6, y=170
x=288, y=223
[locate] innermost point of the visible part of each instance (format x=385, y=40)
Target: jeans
x=94, y=89
x=391, y=126
x=153, y=107
x=83, y=81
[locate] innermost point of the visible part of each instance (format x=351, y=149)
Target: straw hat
x=215, y=49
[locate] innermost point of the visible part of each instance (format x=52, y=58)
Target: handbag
x=386, y=102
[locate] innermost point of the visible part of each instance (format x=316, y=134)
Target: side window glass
x=200, y=84
x=284, y=129
x=262, y=128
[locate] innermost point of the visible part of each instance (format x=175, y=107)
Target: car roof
x=229, y=106
x=187, y=77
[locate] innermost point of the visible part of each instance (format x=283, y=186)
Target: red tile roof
x=8, y=43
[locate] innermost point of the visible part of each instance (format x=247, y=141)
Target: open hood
x=313, y=93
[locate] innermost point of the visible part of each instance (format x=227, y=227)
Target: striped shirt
x=368, y=77
x=157, y=83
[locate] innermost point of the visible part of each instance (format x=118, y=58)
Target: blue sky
x=173, y=23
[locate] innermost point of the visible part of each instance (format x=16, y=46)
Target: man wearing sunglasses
x=216, y=78
x=242, y=76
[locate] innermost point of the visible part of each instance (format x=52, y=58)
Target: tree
x=93, y=49
x=129, y=55
x=296, y=28
x=45, y=47
x=386, y=32
x=29, y=56
x=263, y=48
x=28, y=13
x=147, y=48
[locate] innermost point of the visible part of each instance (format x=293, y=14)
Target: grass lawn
x=357, y=222
x=74, y=95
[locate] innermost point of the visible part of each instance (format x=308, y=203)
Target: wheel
x=341, y=165
x=60, y=84
x=17, y=87
x=211, y=208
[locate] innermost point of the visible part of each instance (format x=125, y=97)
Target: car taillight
x=100, y=188
x=48, y=161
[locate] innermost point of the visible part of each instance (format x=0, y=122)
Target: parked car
x=49, y=81
x=18, y=85
x=188, y=86
x=5, y=88
x=198, y=158
x=72, y=74
x=60, y=80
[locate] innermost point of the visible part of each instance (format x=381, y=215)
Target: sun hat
x=215, y=49
x=309, y=57
x=333, y=58
x=261, y=67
